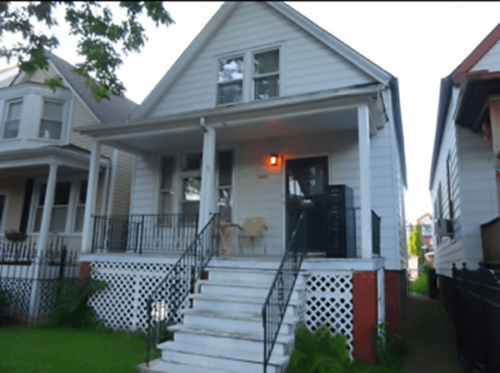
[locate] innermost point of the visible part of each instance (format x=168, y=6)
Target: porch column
x=365, y=181
x=207, y=202
x=87, y=232
x=48, y=204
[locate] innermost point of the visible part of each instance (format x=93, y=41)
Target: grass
x=420, y=285
x=48, y=350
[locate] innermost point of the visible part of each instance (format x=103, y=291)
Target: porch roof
x=67, y=156
x=280, y=117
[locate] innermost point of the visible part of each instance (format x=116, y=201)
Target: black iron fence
x=476, y=303
x=27, y=276
x=171, y=293
x=141, y=233
x=281, y=289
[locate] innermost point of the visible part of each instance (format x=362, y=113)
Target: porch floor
x=428, y=335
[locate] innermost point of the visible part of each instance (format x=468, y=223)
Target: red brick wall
x=364, y=314
x=392, y=304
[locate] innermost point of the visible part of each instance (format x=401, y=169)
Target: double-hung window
x=51, y=121
x=80, y=206
x=60, y=209
x=12, y=119
x=225, y=185
x=266, y=74
x=191, y=183
x=166, y=185
x=230, y=80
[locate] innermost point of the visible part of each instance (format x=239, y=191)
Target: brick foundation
x=364, y=314
x=392, y=302
x=84, y=269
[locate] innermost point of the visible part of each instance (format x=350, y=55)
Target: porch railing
x=171, y=293
x=281, y=289
x=139, y=233
x=376, y=220
x=55, y=242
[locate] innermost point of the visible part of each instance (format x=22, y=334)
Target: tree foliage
x=99, y=37
x=415, y=242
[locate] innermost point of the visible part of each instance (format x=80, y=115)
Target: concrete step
x=228, y=303
x=246, y=263
x=161, y=366
x=244, y=275
x=237, y=289
x=251, y=342
x=214, y=357
x=233, y=321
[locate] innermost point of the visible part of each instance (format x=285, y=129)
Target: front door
x=306, y=183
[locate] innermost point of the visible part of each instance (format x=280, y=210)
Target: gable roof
x=456, y=77
x=116, y=109
x=216, y=23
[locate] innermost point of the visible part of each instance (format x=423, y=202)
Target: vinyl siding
x=490, y=61
x=40, y=76
x=449, y=251
x=307, y=64
x=13, y=189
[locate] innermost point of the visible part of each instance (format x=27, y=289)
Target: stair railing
x=278, y=298
x=170, y=294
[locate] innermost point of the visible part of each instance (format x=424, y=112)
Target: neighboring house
x=265, y=115
x=38, y=148
x=464, y=181
x=425, y=224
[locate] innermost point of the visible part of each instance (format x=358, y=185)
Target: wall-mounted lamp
x=274, y=160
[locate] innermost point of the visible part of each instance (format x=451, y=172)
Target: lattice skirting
x=329, y=302
x=122, y=305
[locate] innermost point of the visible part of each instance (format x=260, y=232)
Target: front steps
x=223, y=331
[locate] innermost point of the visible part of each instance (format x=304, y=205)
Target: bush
x=420, y=285
x=389, y=348
x=70, y=303
x=4, y=299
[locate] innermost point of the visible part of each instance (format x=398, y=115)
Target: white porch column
x=207, y=202
x=365, y=184
x=48, y=204
x=87, y=232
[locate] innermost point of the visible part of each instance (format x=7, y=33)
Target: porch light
x=274, y=160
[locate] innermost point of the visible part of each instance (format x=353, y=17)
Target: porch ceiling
x=249, y=130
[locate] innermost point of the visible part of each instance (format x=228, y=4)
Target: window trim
x=234, y=56
x=6, y=113
x=448, y=181
x=254, y=77
x=44, y=99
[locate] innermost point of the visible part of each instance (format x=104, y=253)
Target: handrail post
x=142, y=235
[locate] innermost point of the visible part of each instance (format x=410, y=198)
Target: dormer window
x=266, y=74
x=12, y=119
x=230, y=80
x=51, y=121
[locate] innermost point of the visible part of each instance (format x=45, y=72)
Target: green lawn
x=45, y=350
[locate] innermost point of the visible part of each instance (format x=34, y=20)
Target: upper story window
x=266, y=74
x=230, y=80
x=51, y=121
x=12, y=119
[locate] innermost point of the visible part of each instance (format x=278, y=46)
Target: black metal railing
x=476, y=306
x=171, y=293
x=376, y=220
x=277, y=300
x=139, y=233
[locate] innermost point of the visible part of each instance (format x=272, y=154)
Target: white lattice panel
x=329, y=302
x=122, y=305
x=19, y=292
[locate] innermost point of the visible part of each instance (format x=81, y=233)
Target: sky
x=419, y=43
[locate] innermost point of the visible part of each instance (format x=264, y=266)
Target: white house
x=264, y=116
x=465, y=173
x=44, y=165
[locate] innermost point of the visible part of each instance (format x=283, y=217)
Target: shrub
x=388, y=348
x=4, y=299
x=420, y=285
x=70, y=303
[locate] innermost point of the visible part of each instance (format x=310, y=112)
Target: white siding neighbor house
x=465, y=171
x=44, y=164
x=275, y=138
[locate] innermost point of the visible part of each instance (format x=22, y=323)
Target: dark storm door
x=306, y=183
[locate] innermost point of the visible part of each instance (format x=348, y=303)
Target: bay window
x=51, y=120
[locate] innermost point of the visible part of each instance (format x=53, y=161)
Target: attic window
x=266, y=74
x=230, y=80
x=51, y=122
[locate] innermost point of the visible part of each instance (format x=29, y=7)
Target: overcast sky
x=419, y=43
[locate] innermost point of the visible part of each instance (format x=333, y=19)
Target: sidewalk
x=428, y=335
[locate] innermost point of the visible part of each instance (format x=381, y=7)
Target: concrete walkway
x=428, y=334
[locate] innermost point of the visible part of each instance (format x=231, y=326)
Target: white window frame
x=8, y=103
x=277, y=73
x=63, y=116
x=187, y=174
x=231, y=187
x=245, y=74
x=167, y=190
x=72, y=204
